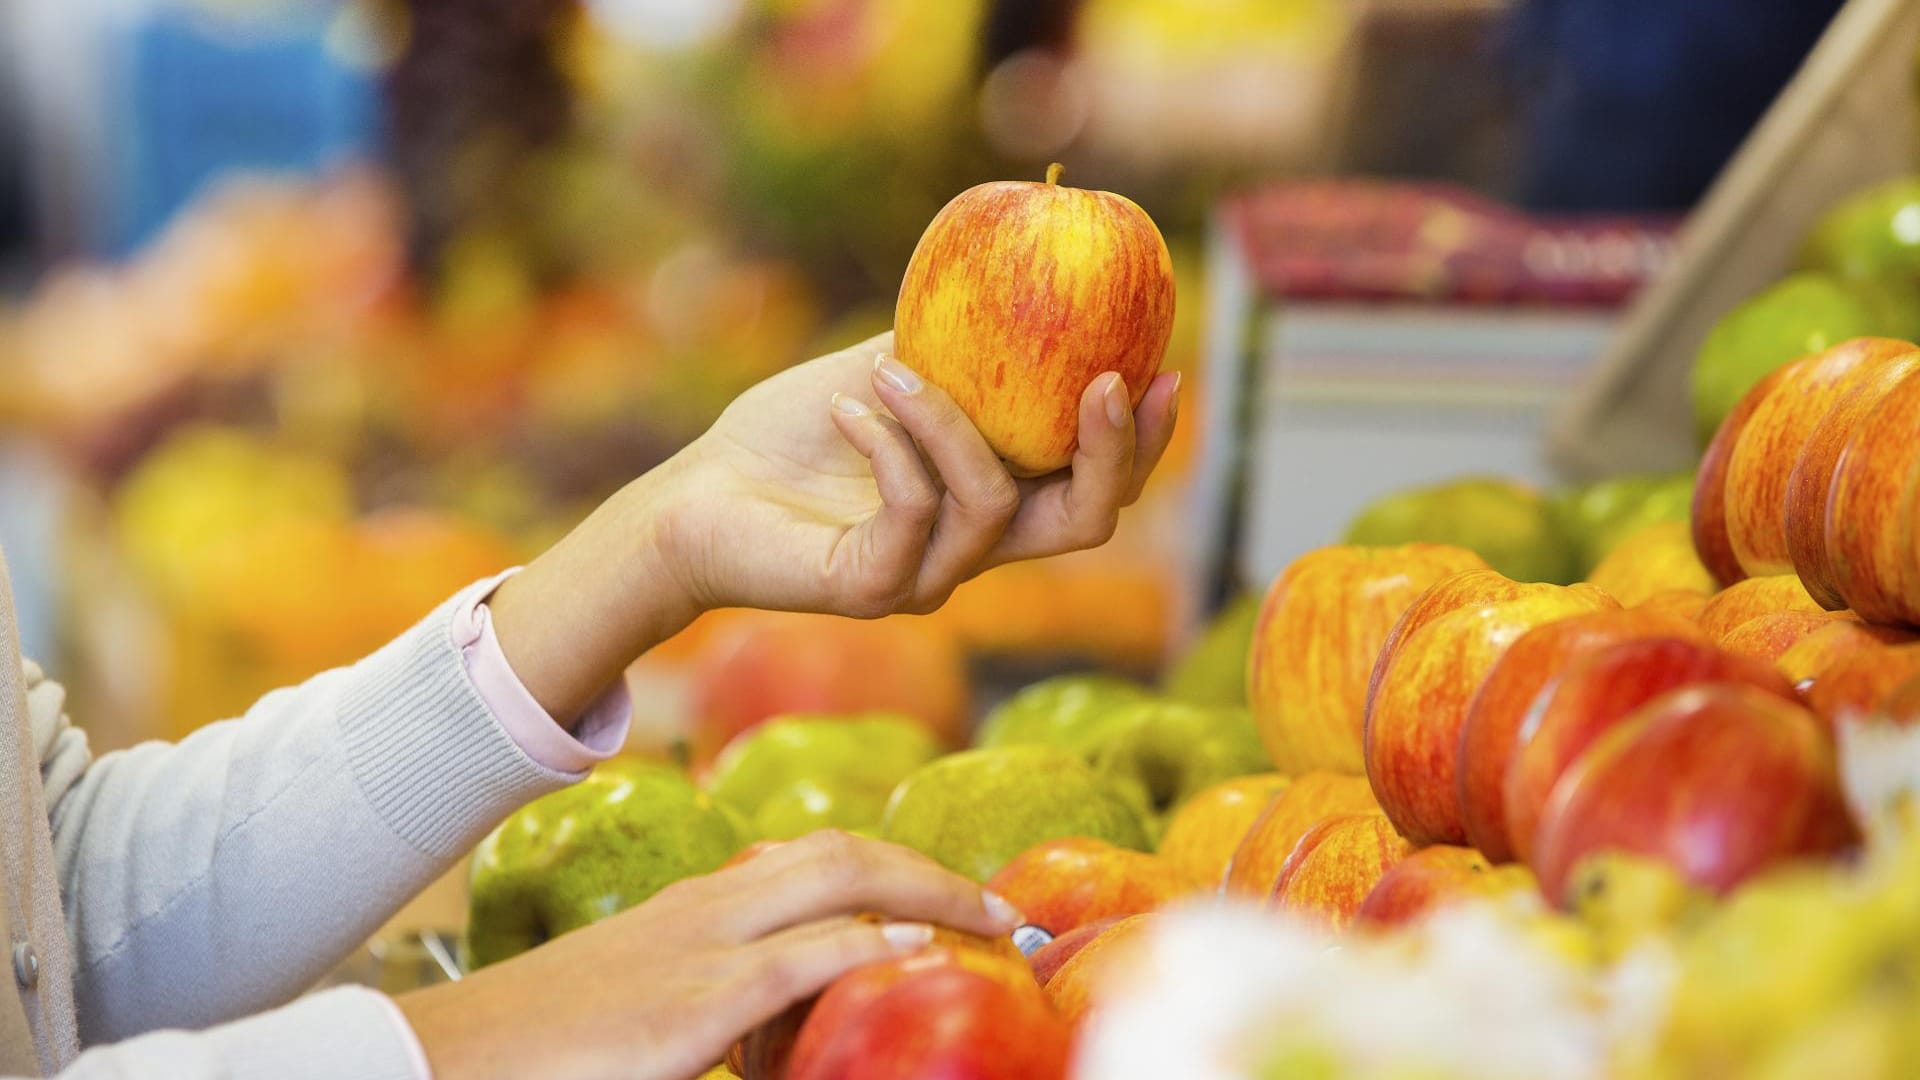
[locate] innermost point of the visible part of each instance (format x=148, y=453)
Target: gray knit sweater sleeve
x=216, y=877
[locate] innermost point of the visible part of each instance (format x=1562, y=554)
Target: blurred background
x=297, y=292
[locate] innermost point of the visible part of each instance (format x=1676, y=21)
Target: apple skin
x=1811, y=481
x=1768, y=637
x=1262, y=852
x=1873, y=542
x=1020, y=294
x=1857, y=685
x=1753, y=597
x=1594, y=695
x=1201, y=837
x=1657, y=559
x=1812, y=656
x=1720, y=781
x=995, y=1023
x=1074, y=988
x=1685, y=604
x=1711, y=540
x=1051, y=957
x=1433, y=663
x=1068, y=882
x=1771, y=444
x=770, y=664
x=1315, y=640
x=1335, y=866
x=1433, y=877
x=1500, y=705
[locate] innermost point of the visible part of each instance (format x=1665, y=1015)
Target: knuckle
x=999, y=498
x=843, y=859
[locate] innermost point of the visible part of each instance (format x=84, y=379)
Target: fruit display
x=1514, y=527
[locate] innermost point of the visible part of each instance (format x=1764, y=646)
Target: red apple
x=1753, y=597
x=1720, y=781
x=1204, y=833
x=1498, y=707
x=873, y=1024
x=1813, y=655
x=1873, y=540
x=1262, y=852
x=1051, y=957
x=1064, y=883
x=1432, y=665
x=1771, y=444
x=1811, y=482
x=1020, y=294
x=1433, y=877
x=1318, y=633
x=1335, y=866
x=1710, y=538
x=1076, y=987
x=1857, y=685
x=1768, y=637
x=1598, y=692
x=770, y=664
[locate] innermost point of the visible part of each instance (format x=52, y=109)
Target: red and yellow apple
x=1047, y=960
x=1319, y=631
x=1720, y=781
x=1751, y=598
x=995, y=1023
x=1075, y=988
x=1434, y=877
x=1500, y=705
x=1711, y=540
x=1597, y=693
x=1335, y=866
x=1655, y=560
x=1262, y=852
x=1201, y=837
x=1857, y=685
x=1768, y=637
x=1873, y=511
x=1020, y=294
x=1433, y=663
x=1683, y=603
x=1069, y=882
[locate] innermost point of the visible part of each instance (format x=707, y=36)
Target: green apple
x=594, y=849
x=974, y=811
x=800, y=773
x=1511, y=525
x=1873, y=233
x=1073, y=711
x=1213, y=671
x=1803, y=314
x=1163, y=753
x=1600, y=515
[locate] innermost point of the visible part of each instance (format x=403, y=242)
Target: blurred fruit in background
x=1510, y=524
x=1872, y=234
x=1602, y=514
x=1213, y=669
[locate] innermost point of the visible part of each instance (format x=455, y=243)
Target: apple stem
x=1053, y=173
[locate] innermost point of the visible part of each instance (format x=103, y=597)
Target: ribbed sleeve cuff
x=431, y=758
x=347, y=1031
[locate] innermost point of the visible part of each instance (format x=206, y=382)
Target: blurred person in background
x=154, y=897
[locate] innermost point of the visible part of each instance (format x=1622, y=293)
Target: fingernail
x=895, y=374
x=849, y=406
x=1116, y=396
x=1001, y=911
x=907, y=936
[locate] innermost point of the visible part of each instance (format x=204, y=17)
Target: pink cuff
x=416, y=1054
x=597, y=736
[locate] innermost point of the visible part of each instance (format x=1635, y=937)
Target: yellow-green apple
x=1813, y=655
x=1768, y=637
x=1711, y=540
x=1856, y=685
x=1598, y=692
x=1687, y=605
x=1201, y=836
x=793, y=775
x=1051, y=957
x=1719, y=780
x=1811, y=482
x=1319, y=631
x=994, y=1023
x=1075, y=988
x=768, y=664
x=1873, y=540
x=1262, y=852
x=1076, y=712
x=1500, y=705
x=1335, y=866
x=1752, y=597
x=1161, y=753
x=1065, y=883
x=1020, y=294
x=1771, y=443
x=972, y=812
x=1432, y=665
x=1654, y=560
x=1436, y=876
